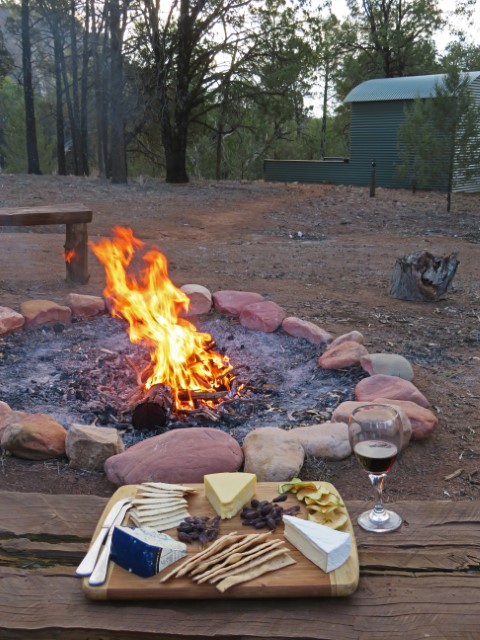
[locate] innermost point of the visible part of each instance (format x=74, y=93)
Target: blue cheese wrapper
x=144, y=551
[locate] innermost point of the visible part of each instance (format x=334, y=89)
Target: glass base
x=369, y=522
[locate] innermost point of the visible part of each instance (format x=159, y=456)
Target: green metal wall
x=373, y=137
x=307, y=171
x=374, y=130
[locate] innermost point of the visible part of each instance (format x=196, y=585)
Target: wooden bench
x=422, y=581
x=74, y=216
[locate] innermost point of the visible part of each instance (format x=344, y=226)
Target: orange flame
x=181, y=356
x=70, y=254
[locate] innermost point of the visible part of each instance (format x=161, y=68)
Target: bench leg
x=76, y=253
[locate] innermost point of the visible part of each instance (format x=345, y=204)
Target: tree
x=393, y=38
x=188, y=47
x=30, y=123
x=332, y=39
x=440, y=136
x=6, y=61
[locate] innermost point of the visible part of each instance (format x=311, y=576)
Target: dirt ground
x=325, y=253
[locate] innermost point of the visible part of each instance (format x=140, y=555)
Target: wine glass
x=376, y=433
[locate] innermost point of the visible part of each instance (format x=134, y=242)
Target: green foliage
x=12, y=129
x=392, y=39
x=440, y=136
x=465, y=57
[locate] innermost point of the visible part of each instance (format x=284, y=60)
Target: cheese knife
x=87, y=565
x=99, y=574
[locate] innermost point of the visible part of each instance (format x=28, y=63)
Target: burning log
x=421, y=276
x=153, y=411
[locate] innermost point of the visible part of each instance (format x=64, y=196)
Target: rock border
x=390, y=380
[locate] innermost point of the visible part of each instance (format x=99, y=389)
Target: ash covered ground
x=80, y=374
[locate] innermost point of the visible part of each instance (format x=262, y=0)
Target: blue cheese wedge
x=325, y=547
x=228, y=492
x=144, y=551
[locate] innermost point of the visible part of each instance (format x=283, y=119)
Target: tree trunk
x=60, y=124
x=84, y=93
x=422, y=277
x=175, y=158
x=117, y=137
x=323, y=134
x=33, y=162
x=75, y=123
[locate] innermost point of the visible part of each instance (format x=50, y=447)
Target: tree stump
x=422, y=277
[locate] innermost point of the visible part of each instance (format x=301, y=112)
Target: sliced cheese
x=323, y=546
x=228, y=492
x=144, y=551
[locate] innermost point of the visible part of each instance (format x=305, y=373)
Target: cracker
x=247, y=563
x=237, y=559
x=266, y=567
x=246, y=542
x=191, y=562
x=164, y=486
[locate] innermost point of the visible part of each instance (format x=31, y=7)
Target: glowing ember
x=70, y=254
x=142, y=293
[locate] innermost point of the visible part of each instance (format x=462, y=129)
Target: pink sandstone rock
x=345, y=354
x=392, y=387
x=423, y=421
x=328, y=440
x=232, y=302
x=264, y=316
x=273, y=454
x=180, y=455
x=391, y=364
x=33, y=436
x=4, y=411
x=354, y=336
x=83, y=306
x=200, y=299
x=10, y=321
x=304, y=329
x=88, y=447
x=344, y=410
x=38, y=312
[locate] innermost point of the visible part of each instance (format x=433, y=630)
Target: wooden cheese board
x=302, y=579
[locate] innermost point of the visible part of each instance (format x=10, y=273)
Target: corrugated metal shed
x=378, y=108
x=406, y=88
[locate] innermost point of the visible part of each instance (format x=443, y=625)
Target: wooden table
x=420, y=582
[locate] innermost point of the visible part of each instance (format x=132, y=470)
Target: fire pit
x=83, y=373
x=148, y=368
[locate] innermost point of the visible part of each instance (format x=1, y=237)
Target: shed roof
x=405, y=88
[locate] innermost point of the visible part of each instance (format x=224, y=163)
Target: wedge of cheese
x=144, y=551
x=323, y=546
x=228, y=492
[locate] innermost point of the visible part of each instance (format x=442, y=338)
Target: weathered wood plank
x=72, y=213
x=44, y=516
x=51, y=606
x=422, y=581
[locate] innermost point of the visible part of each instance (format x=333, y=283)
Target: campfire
x=146, y=367
x=184, y=372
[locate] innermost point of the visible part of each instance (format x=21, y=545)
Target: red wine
x=376, y=456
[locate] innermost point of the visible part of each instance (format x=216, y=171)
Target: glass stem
x=378, y=513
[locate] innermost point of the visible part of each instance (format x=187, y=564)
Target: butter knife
x=87, y=565
x=99, y=574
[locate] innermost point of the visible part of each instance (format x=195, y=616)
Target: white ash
x=79, y=374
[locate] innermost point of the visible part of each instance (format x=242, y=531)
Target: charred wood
x=153, y=411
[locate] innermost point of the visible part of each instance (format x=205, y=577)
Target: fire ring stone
x=178, y=456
